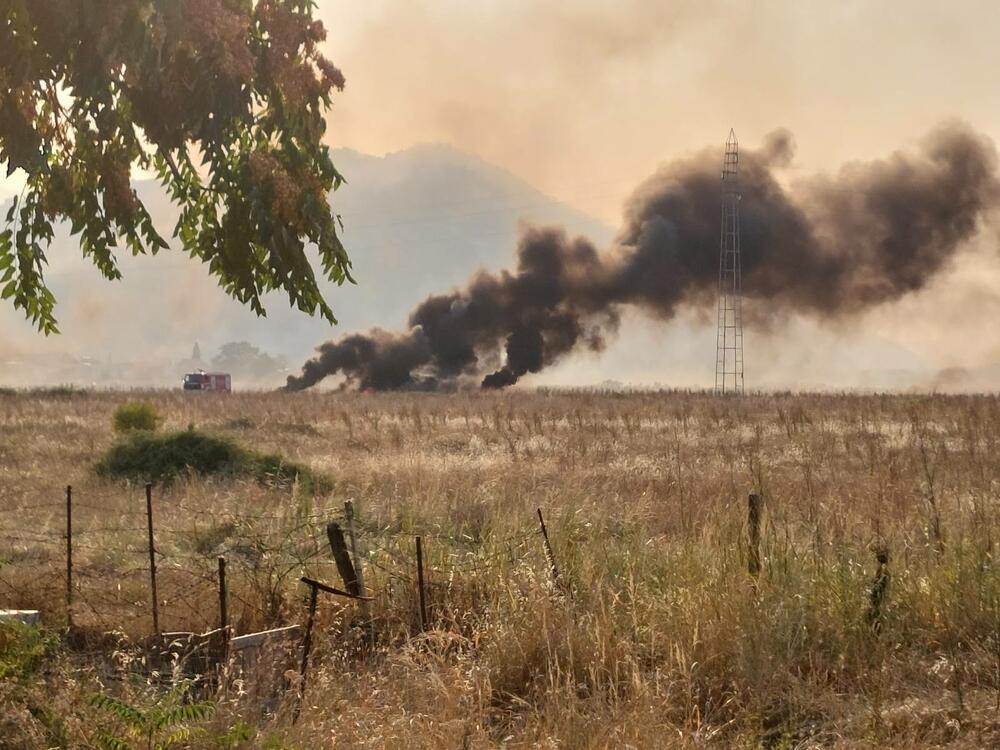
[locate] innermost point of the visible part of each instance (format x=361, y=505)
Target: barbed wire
x=284, y=541
x=139, y=546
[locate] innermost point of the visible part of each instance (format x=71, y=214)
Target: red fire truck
x=208, y=381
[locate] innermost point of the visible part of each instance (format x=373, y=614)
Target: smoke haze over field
x=460, y=119
x=403, y=244
x=829, y=247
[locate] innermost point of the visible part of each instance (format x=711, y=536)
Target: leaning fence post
x=314, y=587
x=69, y=556
x=548, y=548
x=152, y=557
x=306, y=648
x=344, y=565
x=223, y=612
x=420, y=584
x=753, y=517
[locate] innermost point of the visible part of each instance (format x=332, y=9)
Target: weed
x=135, y=415
x=23, y=649
x=167, y=721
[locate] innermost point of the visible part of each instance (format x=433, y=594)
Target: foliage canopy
x=222, y=100
x=244, y=360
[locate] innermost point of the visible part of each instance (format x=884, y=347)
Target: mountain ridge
x=417, y=221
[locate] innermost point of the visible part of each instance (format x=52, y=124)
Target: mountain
x=416, y=221
x=422, y=220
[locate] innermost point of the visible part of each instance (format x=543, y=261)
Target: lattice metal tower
x=729, y=341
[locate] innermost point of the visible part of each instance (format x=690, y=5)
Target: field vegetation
x=874, y=620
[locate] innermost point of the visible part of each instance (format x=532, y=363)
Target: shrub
x=165, y=721
x=135, y=415
x=148, y=457
x=23, y=648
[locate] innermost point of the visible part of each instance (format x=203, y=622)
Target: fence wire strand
x=287, y=541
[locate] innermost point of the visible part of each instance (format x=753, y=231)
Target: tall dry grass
x=656, y=636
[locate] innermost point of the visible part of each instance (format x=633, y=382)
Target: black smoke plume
x=829, y=246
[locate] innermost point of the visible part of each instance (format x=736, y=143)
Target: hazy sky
x=585, y=98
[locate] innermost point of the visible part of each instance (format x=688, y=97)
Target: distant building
x=192, y=363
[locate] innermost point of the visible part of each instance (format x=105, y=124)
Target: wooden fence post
x=420, y=584
x=548, y=548
x=152, y=557
x=345, y=567
x=69, y=556
x=753, y=517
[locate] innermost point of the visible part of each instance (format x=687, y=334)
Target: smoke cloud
x=829, y=246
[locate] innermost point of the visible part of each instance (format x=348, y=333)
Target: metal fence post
x=152, y=557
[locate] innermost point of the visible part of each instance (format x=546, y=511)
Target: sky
x=584, y=100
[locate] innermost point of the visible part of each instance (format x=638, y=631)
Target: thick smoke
x=831, y=246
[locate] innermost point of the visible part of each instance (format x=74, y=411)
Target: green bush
x=165, y=721
x=149, y=457
x=135, y=415
x=23, y=648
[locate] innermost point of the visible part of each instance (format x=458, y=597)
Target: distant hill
x=416, y=222
x=422, y=220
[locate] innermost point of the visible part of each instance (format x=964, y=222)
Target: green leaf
x=263, y=169
x=110, y=742
x=128, y=714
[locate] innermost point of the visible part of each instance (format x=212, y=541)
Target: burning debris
x=832, y=246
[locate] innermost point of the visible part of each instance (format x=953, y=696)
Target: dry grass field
x=654, y=634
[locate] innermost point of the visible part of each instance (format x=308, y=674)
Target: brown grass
x=661, y=638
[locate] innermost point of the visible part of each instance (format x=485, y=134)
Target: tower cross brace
x=729, y=339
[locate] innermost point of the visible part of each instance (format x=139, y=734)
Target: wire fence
x=92, y=560
x=232, y=572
